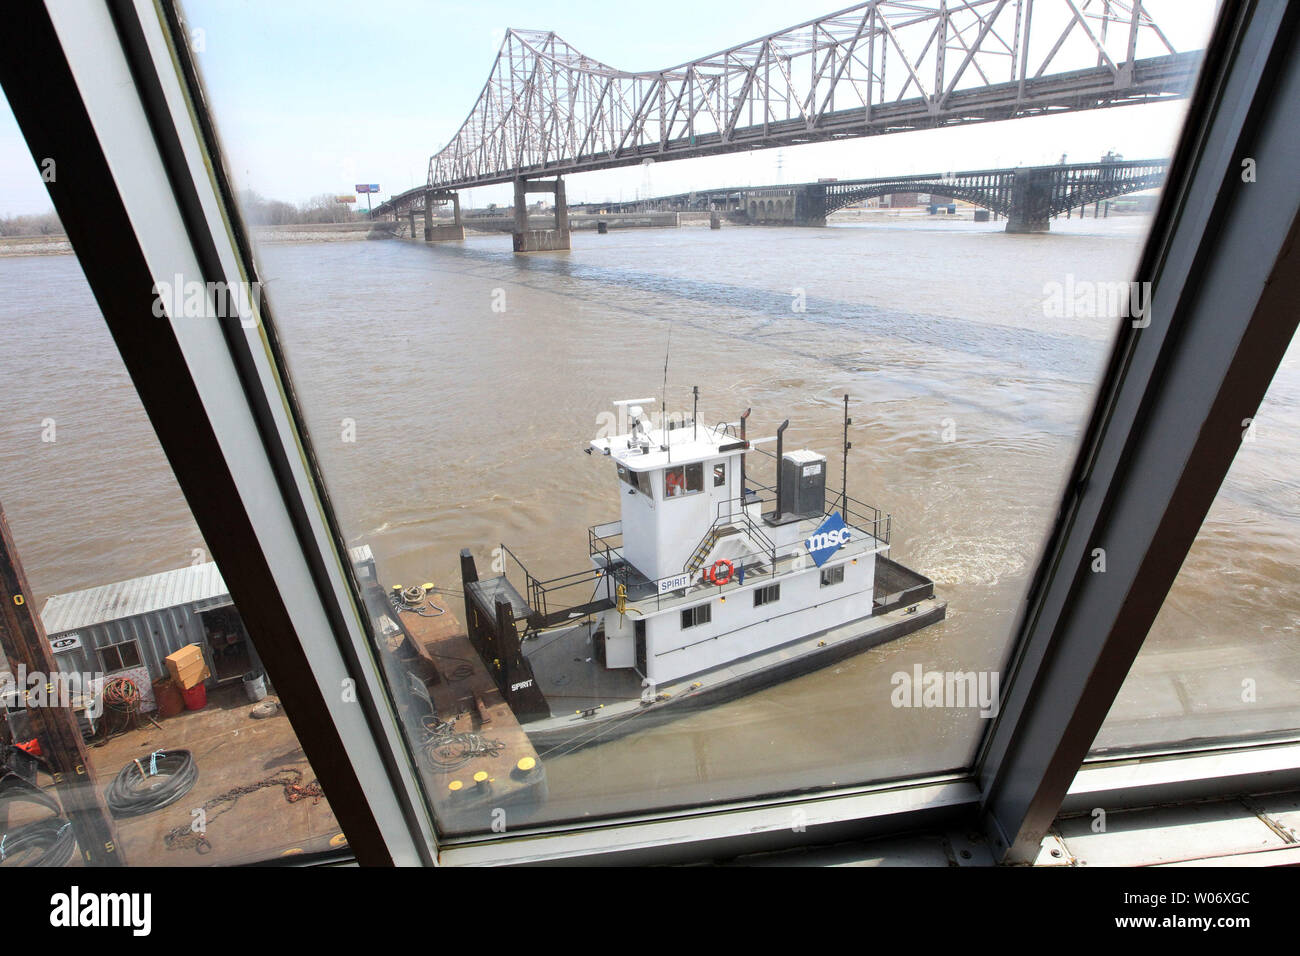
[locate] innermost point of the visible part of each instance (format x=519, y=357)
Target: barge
x=710, y=586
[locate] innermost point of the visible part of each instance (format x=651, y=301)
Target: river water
x=450, y=389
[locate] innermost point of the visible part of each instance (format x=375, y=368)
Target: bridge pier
x=810, y=206
x=541, y=240
x=1031, y=194
x=441, y=232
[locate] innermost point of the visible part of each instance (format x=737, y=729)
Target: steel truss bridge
x=879, y=67
x=1027, y=196
x=884, y=66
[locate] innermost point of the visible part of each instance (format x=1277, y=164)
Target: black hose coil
x=52, y=835
x=152, y=782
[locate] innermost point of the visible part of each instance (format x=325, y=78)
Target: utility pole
x=22, y=637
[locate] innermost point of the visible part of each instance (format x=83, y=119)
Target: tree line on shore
x=257, y=210
x=37, y=224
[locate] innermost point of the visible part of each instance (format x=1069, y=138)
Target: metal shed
x=137, y=623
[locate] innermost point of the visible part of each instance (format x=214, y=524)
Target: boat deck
x=569, y=729
x=570, y=675
x=487, y=591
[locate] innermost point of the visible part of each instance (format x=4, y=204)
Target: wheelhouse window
x=833, y=575
x=769, y=594
x=683, y=480
x=719, y=474
x=639, y=480
x=694, y=616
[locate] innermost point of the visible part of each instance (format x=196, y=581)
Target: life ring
x=713, y=571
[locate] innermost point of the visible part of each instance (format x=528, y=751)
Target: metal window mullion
x=1223, y=265
x=103, y=72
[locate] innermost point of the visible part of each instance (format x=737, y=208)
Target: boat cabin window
x=833, y=575
x=767, y=595
x=639, y=480
x=719, y=474
x=700, y=614
x=683, y=480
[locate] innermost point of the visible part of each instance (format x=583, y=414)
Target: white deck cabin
x=682, y=515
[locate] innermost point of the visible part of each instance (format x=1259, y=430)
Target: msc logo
x=829, y=538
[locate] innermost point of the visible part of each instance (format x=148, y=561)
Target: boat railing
x=904, y=598
x=730, y=517
x=553, y=600
x=857, y=513
x=602, y=539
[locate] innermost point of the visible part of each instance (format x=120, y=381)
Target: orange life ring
x=713, y=571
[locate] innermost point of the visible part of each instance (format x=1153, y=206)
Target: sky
x=314, y=96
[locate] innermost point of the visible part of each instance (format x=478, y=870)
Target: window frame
x=115, y=648
x=694, y=611
x=99, y=83
x=686, y=490
x=835, y=569
x=763, y=589
x=152, y=199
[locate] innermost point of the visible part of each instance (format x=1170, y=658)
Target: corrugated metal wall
x=157, y=634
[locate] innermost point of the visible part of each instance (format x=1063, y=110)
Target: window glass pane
x=152, y=677
x=448, y=385
x=695, y=477
x=1222, y=660
x=674, y=482
x=833, y=575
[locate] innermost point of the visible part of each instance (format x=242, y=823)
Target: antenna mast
x=844, y=481
x=663, y=399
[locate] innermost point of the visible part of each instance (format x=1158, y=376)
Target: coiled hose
x=151, y=783
x=53, y=836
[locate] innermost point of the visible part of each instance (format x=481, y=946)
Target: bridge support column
x=1030, y=202
x=441, y=232
x=541, y=240
x=810, y=206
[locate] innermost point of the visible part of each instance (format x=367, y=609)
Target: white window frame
x=1215, y=256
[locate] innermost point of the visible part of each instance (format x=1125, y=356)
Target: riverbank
x=34, y=246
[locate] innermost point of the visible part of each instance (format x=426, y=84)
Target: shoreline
x=19, y=246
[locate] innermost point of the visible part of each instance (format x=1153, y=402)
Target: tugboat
x=710, y=586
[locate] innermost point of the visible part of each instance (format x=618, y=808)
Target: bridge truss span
x=1038, y=192
x=879, y=67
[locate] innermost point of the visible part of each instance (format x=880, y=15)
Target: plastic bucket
x=168, y=697
x=255, y=686
x=196, y=698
